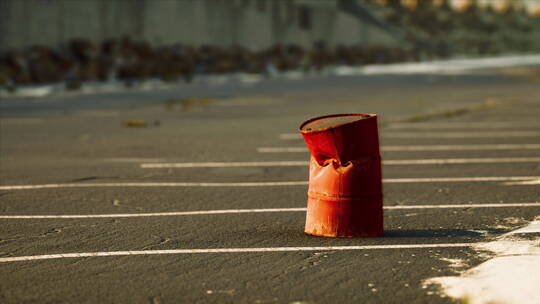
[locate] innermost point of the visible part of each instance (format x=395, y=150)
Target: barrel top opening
x=326, y=122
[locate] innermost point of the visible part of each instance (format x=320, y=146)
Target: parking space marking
x=225, y=164
x=418, y=148
x=180, y=213
x=529, y=182
x=462, y=134
x=133, y=160
x=460, y=179
x=229, y=250
x=150, y=184
x=292, y=136
x=446, y=161
x=531, y=228
x=268, y=184
x=464, y=125
x=282, y=149
x=267, y=210
x=443, y=161
x=462, y=147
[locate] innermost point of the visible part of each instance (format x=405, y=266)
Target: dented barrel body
x=345, y=182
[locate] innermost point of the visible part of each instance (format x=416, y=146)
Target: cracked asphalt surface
x=83, y=139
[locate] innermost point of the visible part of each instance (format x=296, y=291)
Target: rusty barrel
x=345, y=182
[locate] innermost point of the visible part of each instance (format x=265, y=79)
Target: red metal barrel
x=345, y=182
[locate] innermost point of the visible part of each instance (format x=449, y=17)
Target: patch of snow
x=454, y=263
x=511, y=276
x=441, y=67
x=449, y=67
x=506, y=247
x=514, y=220
x=502, y=280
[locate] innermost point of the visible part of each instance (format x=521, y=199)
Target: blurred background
x=127, y=41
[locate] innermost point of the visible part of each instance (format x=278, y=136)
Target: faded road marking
x=268, y=210
x=282, y=149
x=529, y=182
x=84, y=185
x=226, y=164
x=291, y=136
x=462, y=147
x=463, y=134
x=228, y=250
x=459, y=179
x=443, y=161
x=133, y=160
x=466, y=125
x=418, y=148
x=461, y=161
x=268, y=184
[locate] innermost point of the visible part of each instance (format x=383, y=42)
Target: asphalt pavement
x=90, y=224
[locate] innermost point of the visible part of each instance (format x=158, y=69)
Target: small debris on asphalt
x=135, y=123
x=187, y=104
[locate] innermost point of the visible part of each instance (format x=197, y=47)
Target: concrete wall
x=255, y=24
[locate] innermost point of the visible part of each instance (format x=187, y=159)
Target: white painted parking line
x=267, y=210
x=133, y=160
x=444, y=161
x=269, y=184
x=457, y=206
x=461, y=161
x=180, y=213
x=225, y=164
x=289, y=136
x=176, y=184
x=464, y=125
x=528, y=229
x=228, y=250
x=418, y=148
x=459, y=179
x=463, y=134
x=529, y=182
x=462, y=147
x=282, y=149
x=292, y=136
